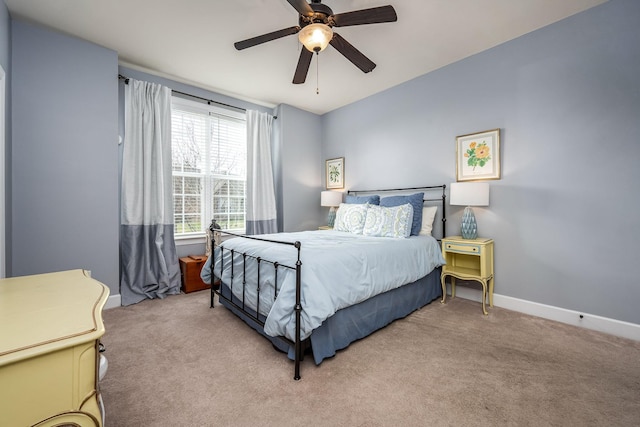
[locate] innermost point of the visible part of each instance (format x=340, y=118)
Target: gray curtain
x=148, y=258
x=261, y=199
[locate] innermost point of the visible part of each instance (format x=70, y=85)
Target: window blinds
x=209, y=164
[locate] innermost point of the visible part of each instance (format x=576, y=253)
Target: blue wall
x=5, y=62
x=5, y=36
x=64, y=155
x=567, y=101
x=300, y=168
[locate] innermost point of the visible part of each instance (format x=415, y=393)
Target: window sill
x=199, y=238
x=195, y=239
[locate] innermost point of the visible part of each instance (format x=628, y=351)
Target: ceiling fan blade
x=375, y=15
x=303, y=66
x=302, y=7
x=266, y=38
x=351, y=53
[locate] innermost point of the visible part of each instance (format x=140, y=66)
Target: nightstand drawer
x=462, y=248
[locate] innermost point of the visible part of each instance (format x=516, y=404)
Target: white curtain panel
x=149, y=262
x=261, y=199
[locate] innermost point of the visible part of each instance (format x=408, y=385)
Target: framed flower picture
x=478, y=156
x=335, y=173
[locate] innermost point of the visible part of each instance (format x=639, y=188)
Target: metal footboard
x=260, y=262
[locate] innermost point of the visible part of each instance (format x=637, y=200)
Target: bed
x=318, y=291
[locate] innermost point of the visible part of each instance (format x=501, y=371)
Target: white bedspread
x=338, y=270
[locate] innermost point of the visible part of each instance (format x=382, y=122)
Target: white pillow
x=428, y=215
x=392, y=221
x=351, y=217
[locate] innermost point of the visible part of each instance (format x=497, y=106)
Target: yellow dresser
x=50, y=327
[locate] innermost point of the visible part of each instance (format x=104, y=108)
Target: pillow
x=388, y=221
x=415, y=200
x=351, y=218
x=372, y=200
x=428, y=215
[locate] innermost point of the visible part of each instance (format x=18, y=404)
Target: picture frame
x=478, y=156
x=334, y=173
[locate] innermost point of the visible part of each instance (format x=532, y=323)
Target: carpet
x=176, y=362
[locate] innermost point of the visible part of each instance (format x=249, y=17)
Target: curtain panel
x=148, y=257
x=261, y=199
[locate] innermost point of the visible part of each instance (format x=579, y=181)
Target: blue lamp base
x=468, y=227
x=331, y=219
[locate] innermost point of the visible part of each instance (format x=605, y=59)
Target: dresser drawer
x=462, y=248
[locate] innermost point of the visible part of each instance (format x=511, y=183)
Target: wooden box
x=190, y=267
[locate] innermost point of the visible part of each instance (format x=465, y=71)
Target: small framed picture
x=478, y=156
x=335, y=173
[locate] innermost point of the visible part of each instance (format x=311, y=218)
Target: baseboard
x=570, y=317
x=113, y=301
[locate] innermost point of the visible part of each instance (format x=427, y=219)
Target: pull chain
x=317, y=74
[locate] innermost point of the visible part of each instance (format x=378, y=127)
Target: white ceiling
x=192, y=41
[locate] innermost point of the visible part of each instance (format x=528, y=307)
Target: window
x=209, y=157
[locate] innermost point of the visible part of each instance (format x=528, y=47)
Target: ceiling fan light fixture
x=315, y=37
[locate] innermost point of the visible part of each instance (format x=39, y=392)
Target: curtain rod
x=208, y=101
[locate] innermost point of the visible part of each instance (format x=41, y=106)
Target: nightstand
x=190, y=267
x=325, y=227
x=468, y=259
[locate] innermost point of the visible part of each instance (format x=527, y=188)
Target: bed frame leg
x=212, y=296
x=212, y=279
x=298, y=309
x=296, y=375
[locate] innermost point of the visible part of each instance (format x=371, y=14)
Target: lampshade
x=330, y=198
x=469, y=194
x=315, y=37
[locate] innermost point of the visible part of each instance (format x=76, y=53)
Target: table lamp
x=469, y=194
x=331, y=199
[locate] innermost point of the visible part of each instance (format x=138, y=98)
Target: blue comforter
x=339, y=269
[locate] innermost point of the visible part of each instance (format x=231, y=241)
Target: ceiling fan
x=314, y=25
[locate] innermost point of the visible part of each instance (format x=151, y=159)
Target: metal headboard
x=429, y=189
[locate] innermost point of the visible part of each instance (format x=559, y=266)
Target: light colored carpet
x=176, y=362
